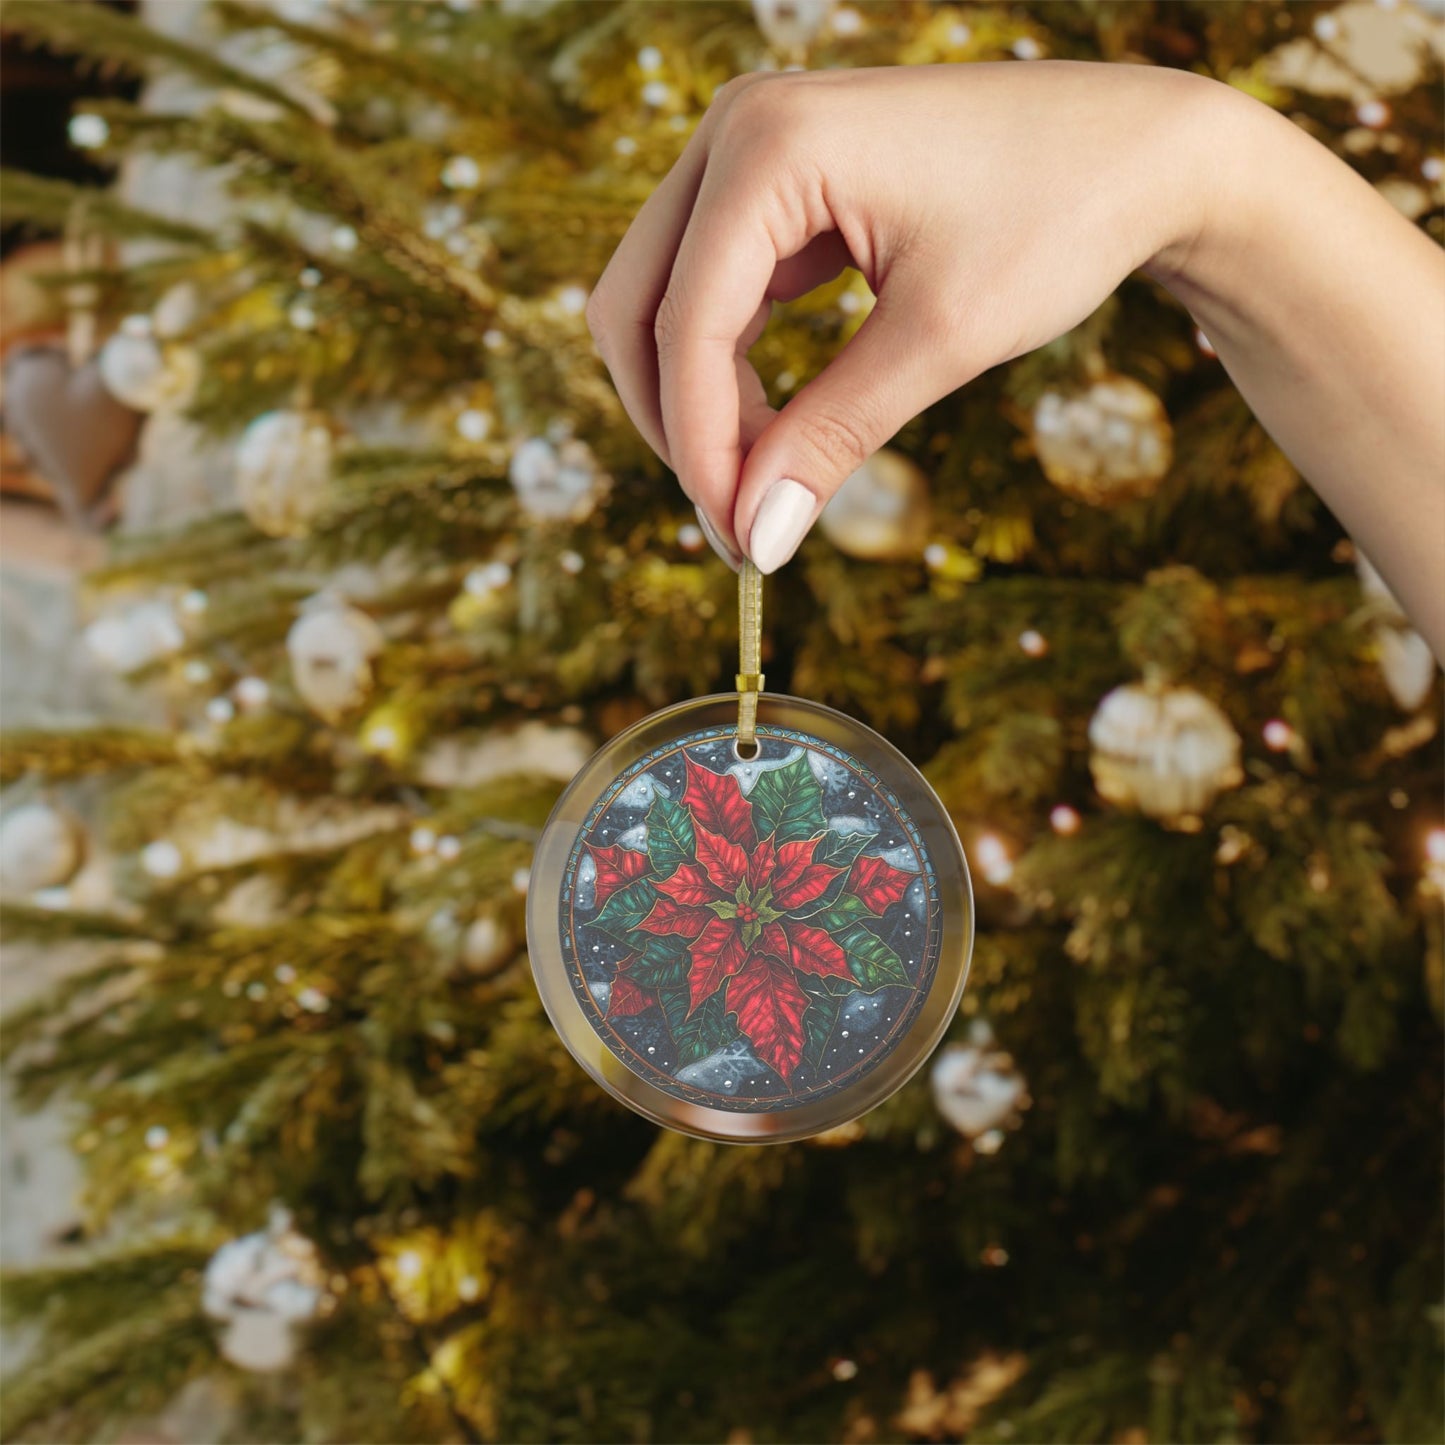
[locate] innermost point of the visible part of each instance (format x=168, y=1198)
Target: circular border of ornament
x=577, y=808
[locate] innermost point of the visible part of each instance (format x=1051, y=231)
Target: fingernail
x=781, y=524
x=716, y=542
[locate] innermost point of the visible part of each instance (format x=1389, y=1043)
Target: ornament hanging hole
x=745, y=753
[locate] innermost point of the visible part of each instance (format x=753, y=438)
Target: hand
x=990, y=207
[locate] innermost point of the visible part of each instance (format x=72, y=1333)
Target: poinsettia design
x=746, y=914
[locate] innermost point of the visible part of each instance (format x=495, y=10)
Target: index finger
x=719, y=285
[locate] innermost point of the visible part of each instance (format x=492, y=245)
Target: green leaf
x=838, y=850
x=670, y=838
x=872, y=962
x=842, y=913
x=789, y=802
x=818, y=1021
x=696, y=1035
x=626, y=908
x=663, y=963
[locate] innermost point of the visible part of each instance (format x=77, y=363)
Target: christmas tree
x=1177, y=1173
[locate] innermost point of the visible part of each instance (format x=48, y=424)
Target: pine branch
x=54, y=205
x=82, y=753
x=117, y=40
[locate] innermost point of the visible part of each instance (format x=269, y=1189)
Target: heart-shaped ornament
x=74, y=431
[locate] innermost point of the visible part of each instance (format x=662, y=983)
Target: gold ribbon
x=750, y=654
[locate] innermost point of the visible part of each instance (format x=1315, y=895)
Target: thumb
x=899, y=362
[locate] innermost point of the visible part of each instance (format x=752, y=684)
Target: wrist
x=1218, y=154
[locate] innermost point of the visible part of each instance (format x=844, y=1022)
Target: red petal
x=769, y=1005
x=774, y=941
x=761, y=864
x=668, y=916
x=725, y=862
x=880, y=885
x=716, y=802
x=628, y=998
x=616, y=866
x=814, y=951
x=717, y=955
x=689, y=886
x=796, y=878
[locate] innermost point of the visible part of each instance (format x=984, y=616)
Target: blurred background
x=328, y=555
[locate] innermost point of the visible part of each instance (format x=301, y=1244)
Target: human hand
x=990, y=207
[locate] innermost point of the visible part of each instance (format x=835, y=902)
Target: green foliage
x=1219, y=1217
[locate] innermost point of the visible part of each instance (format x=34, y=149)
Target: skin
x=992, y=207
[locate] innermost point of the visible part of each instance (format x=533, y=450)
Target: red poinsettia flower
x=753, y=913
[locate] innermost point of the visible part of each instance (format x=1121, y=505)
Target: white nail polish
x=716, y=542
x=781, y=524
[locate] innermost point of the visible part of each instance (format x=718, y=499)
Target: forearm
x=1327, y=309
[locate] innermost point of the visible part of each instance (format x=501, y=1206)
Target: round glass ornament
x=750, y=946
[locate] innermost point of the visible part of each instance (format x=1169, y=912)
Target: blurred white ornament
x=262, y=1287
x=489, y=577
x=310, y=278
x=469, y=760
x=194, y=603
x=136, y=635
x=690, y=537
x=1435, y=859
x=176, y=312
x=977, y=1088
x=449, y=848
x=656, y=93
x=1109, y=443
x=1405, y=658
x=1027, y=48
x=423, y=840
x=487, y=945
x=161, y=859
x=461, y=173
x=993, y=860
x=555, y=480
x=1033, y=643
x=572, y=300
x=302, y=316
x=220, y=710
x=331, y=647
x=792, y=25
x=252, y=693
x=881, y=513
x=649, y=58
x=145, y=375
x=344, y=239
x=571, y=562
x=474, y=425
x=283, y=466
x=88, y=131
x=40, y=847
x=1167, y=751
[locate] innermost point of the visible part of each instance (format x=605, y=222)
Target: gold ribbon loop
x=750, y=653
